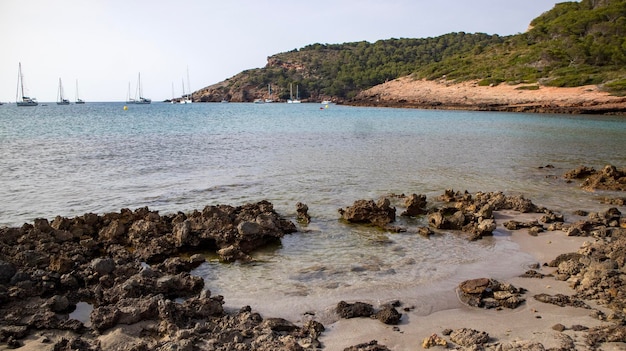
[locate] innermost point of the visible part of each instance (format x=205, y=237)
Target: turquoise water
x=69, y=160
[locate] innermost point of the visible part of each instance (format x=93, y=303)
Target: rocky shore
x=445, y=94
x=133, y=268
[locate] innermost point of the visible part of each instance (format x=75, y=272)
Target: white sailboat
x=172, y=101
x=78, y=100
x=187, y=99
x=139, y=99
x=269, y=92
x=20, y=99
x=60, y=99
x=291, y=99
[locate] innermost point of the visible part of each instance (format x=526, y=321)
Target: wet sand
x=530, y=322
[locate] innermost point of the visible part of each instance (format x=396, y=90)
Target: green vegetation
x=575, y=43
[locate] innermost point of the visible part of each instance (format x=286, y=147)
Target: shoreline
x=533, y=320
x=443, y=94
x=136, y=307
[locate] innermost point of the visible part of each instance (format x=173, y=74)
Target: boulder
x=389, y=315
x=354, y=310
x=469, y=337
x=415, y=205
x=489, y=293
x=378, y=213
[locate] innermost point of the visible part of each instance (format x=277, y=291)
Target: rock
x=233, y=253
x=572, y=256
x=525, y=345
x=415, y=205
x=579, y=173
x=357, y=309
x=561, y=300
x=489, y=293
x=103, y=266
x=278, y=325
x=609, y=178
x=131, y=266
x=113, y=232
x=248, y=228
x=370, y=346
x=369, y=212
x=434, y=340
x=389, y=315
x=425, y=231
x=302, y=213
x=14, y=331
x=7, y=271
x=58, y=303
x=475, y=286
x=469, y=337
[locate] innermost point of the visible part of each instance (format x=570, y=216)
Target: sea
x=101, y=157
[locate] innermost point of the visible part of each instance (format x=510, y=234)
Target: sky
x=102, y=46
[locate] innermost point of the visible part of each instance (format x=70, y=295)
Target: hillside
x=574, y=44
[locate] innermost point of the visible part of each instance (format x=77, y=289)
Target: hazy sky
x=104, y=44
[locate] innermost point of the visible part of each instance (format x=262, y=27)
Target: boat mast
x=20, y=84
x=189, y=85
x=138, y=86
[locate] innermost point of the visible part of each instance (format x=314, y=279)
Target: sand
x=446, y=94
x=530, y=322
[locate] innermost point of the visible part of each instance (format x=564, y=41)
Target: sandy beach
x=445, y=94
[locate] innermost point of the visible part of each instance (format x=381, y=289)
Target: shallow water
x=69, y=160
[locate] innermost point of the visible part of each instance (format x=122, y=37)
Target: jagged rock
x=7, y=271
x=523, y=345
x=370, y=346
x=415, y=205
x=103, y=266
x=302, y=213
x=279, y=325
x=469, y=337
x=604, y=334
x=609, y=178
x=489, y=293
x=425, y=231
x=389, y=315
x=434, y=340
x=561, y=300
x=378, y=213
x=579, y=173
x=354, y=310
x=131, y=267
x=58, y=303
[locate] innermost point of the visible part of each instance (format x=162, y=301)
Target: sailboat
x=172, y=101
x=140, y=100
x=20, y=99
x=187, y=99
x=78, y=100
x=291, y=99
x=269, y=92
x=60, y=99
